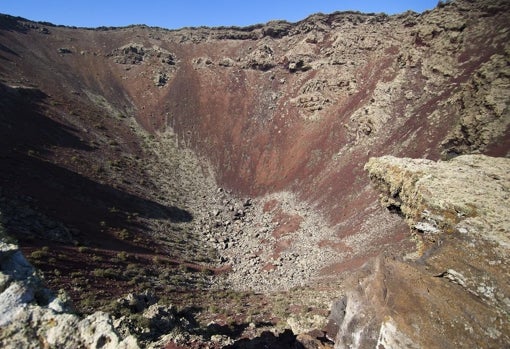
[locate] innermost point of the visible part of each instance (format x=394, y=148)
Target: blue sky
x=175, y=14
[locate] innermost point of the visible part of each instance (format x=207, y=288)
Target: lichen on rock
x=470, y=192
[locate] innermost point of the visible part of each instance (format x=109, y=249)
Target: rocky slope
x=222, y=168
x=453, y=292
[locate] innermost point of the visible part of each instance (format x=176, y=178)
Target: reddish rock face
x=365, y=86
x=311, y=130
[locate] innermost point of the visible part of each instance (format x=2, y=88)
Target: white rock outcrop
x=31, y=317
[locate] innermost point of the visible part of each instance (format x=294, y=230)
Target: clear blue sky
x=175, y=14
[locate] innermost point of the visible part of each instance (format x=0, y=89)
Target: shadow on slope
x=40, y=193
x=77, y=201
x=11, y=23
x=286, y=340
x=25, y=127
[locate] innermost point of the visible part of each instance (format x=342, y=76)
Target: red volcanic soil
x=286, y=224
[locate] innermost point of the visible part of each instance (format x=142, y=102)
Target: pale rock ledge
x=454, y=292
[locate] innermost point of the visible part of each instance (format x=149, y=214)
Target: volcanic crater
x=221, y=170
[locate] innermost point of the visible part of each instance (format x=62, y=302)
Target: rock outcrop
x=32, y=317
x=453, y=291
